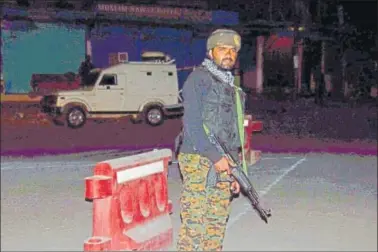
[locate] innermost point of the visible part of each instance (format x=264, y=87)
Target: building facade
x=51, y=41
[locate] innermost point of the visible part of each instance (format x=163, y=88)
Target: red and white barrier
x=131, y=210
x=250, y=126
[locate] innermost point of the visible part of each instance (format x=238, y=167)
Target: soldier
x=209, y=99
x=85, y=67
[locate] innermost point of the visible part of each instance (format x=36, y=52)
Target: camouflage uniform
x=204, y=210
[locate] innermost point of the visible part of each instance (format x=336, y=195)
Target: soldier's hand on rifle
x=235, y=187
x=223, y=165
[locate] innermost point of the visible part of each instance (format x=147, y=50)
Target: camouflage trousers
x=204, y=210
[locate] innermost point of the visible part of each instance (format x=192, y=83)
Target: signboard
x=157, y=12
x=122, y=12
x=185, y=3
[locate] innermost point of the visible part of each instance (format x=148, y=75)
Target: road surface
x=319, y=202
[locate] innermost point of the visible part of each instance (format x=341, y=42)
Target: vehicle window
x=108, y=79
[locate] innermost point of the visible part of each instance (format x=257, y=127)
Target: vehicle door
x=110, y=96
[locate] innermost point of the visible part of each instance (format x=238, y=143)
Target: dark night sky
x=362, y=13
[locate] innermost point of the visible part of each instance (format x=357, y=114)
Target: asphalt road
x=288, y=127
x=38, y=138
x=319, y=202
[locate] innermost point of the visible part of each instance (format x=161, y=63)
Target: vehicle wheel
x=154, y=116
x=75, y=117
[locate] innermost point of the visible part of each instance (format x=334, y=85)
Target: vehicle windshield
x=90, y=79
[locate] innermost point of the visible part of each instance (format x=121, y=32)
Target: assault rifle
x=244, y=182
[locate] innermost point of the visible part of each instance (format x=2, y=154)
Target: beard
x=227, y=64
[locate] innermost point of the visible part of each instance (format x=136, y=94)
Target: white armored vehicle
x=146, y=90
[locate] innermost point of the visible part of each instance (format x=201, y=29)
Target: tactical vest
x=219, y=112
